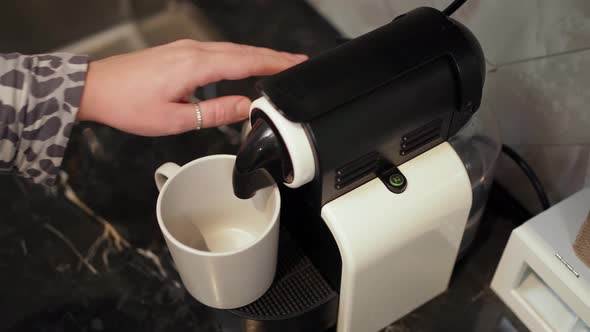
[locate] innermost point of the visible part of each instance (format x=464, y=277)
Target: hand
x=146, y=92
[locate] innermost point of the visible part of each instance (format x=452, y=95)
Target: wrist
x=85, y=112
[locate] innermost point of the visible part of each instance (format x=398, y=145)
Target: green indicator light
x=397, y=180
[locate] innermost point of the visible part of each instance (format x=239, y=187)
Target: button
x=393, y=179
x=397, y=180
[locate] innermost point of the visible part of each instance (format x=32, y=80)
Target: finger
x=239, y=48
x=235, y=66
x=215, y=112
x=217, y=46
x=224, y=110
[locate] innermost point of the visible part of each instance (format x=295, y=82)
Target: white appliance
x=540, y=277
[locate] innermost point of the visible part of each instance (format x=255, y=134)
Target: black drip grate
x=298, y=287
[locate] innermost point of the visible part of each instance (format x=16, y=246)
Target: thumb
x=215, y=112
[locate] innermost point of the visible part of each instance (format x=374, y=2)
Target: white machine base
x=540, y=277
x=398, y=250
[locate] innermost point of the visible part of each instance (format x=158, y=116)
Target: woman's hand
x=146, y=92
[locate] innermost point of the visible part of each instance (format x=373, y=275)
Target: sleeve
x=39, y=100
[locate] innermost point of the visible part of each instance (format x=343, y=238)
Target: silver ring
x=199, y=116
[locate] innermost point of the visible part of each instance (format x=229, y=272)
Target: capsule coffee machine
x=375, y=197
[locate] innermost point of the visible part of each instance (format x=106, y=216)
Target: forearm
x=39, y=100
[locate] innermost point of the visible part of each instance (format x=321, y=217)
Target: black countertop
x=61, y=268
x=47, y=288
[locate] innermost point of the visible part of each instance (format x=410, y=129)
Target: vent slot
x=356, y=169
x=420, y=137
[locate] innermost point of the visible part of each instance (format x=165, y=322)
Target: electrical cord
x=453, y=7
x=531, y=175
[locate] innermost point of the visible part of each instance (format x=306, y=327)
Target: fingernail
x=302, y=57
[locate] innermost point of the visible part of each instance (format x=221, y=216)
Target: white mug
x=224, y=248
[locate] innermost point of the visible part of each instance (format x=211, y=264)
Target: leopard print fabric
x=39, y=100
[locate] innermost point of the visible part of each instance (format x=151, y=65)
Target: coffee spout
x=259, y=160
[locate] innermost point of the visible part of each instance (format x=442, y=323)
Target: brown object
x=582, y=244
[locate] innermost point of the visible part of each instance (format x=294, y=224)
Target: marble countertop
x=61, y=270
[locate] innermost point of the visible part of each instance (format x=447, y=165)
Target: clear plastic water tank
x=478, y=145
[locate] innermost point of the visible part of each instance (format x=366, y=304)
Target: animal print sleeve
x=39, y=100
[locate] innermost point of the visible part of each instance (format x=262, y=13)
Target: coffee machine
x=375, y=198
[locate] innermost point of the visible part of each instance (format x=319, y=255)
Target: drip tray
x=299, y=299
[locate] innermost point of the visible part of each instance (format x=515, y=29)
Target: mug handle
x=165, y=172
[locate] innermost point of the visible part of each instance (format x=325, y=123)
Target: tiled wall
x=538, y=84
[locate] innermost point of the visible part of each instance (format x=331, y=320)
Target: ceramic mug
x=224, y=248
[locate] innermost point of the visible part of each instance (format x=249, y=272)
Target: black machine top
x=364, y=64
x=371, y=104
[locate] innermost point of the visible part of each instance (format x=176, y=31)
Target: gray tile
x=515, y=30
x=354, y=18
x=543, y=101
x=508, y=30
